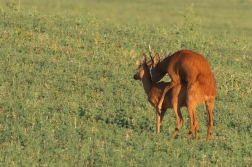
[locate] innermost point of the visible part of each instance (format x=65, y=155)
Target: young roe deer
x=175, y=97
x=193, y=68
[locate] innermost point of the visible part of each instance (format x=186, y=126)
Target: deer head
x=140, y=72
x=156, y=74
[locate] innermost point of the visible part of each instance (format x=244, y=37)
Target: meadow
x=68, y=97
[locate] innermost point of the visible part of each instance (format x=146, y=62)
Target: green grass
x=230, y=17
x=68, y=98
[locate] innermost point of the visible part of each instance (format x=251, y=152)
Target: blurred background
x=230, y=17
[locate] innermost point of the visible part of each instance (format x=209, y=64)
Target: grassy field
x=68, y=97
x=229, y=17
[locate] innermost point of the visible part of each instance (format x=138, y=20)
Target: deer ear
x=143, y=59
x=156, y=60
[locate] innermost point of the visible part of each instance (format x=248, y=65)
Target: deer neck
x=146, y=79
x=164, y=64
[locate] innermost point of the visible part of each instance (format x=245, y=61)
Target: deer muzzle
x=136, y=77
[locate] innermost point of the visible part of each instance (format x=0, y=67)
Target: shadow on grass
x=118, y=118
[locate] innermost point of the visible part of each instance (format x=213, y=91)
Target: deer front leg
x=158, y=120
x=167, y=88
x=162, y=115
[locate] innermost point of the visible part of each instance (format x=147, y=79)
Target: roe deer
x=193, y=68
x=175, y=97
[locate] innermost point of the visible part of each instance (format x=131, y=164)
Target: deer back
x=183, y=63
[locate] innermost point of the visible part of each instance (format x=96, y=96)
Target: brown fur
x=193, y=68
x=175, y=97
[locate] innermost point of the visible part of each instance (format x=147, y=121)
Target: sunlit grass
x=68, y=98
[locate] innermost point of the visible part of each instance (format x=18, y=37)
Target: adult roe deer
x=193, y=68
x=175, y=97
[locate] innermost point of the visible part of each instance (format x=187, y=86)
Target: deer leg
x=167, y=88
x=158, y=121
x=191, y=107
x=179, y=119
x=209, y=108
x=191, y=125
x=193, y=120
x=196, y=125
x=162, y=115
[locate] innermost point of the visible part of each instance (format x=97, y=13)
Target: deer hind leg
x=179, y=119
x=196, y=125
x=209, y=108
x=193, y=122
x=192, y=103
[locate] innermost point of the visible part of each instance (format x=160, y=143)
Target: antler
x=169, y=54
x=162, y=53
x=150, y=52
